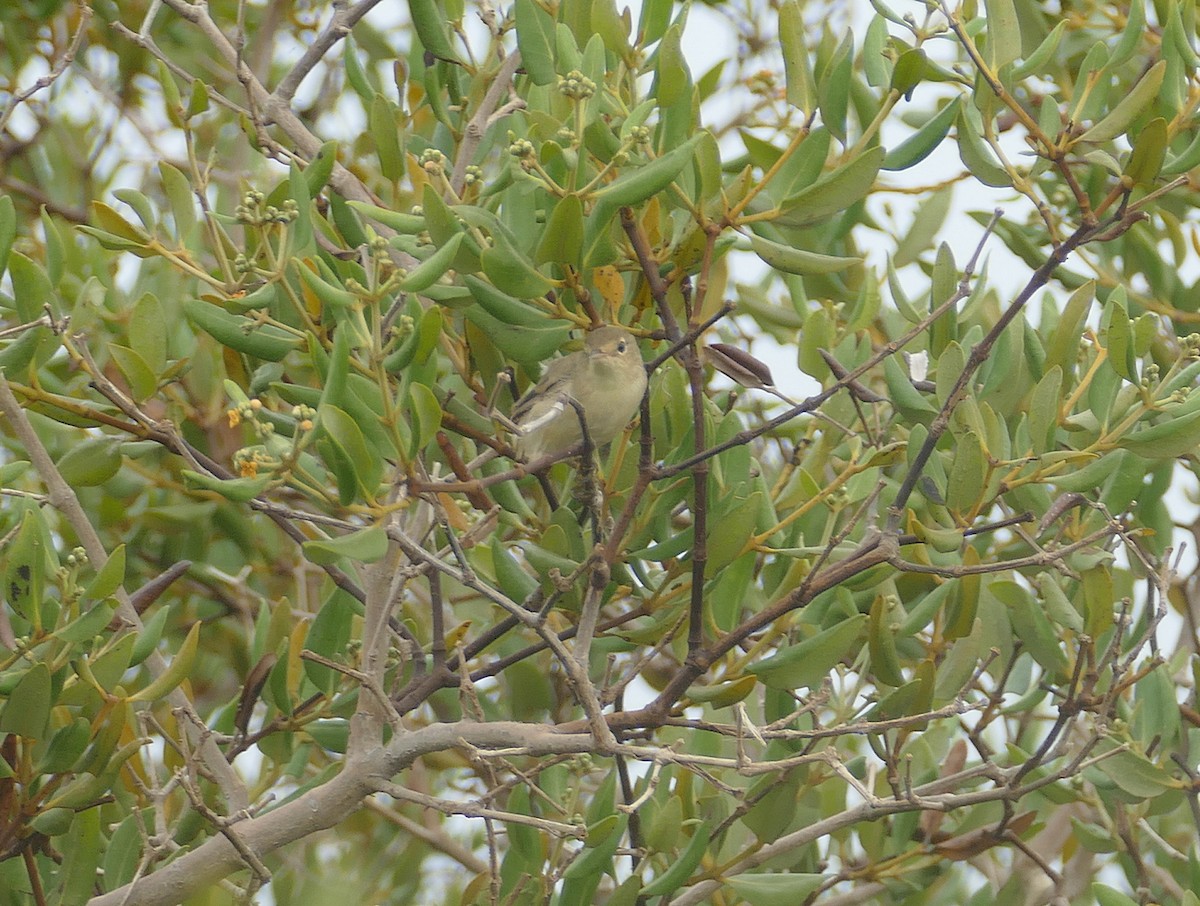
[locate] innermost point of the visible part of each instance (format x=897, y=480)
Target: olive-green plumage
x=607, y=378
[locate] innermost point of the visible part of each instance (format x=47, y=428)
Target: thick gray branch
x=332, y=802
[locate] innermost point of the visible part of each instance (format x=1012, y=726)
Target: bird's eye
x=621, y=346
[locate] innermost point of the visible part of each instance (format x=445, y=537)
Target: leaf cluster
x=770, y=645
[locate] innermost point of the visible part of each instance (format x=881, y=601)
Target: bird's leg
x=590, y=492
x=504, y=378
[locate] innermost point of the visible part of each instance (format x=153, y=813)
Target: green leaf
x=333, y=734
x=171, y=97
x=806, y=163
x=921, y=143
x=900, y=299
x=356, y=76
x=653, y=20
x=834, y=192
x=907, y=73
x=109, y=578
x=911, y=698
x=514, y=581
x=818, y=334
x=562, y=240
x=1043, y=410
x=433, y=268
x=401, y=223
x=53, y=822
x=198, y=99
x=240, y=333
x=24, y=571
x=110, y=665
x=31, y=286
x=138, y=374
x=1058, y=606
x=968, y=474
x=141, y=206
x=1149, y=152
x=27, y=710
x=90, y=624
x=513, y=273
x=525, y=345
x=53, y=247
x=1137, y=775
x=798, y=261
x=1131, y=36
x=1042, y=54
x=177, y=671
x=347, y=437
x=1156, y=714
x=807, y=663
x=1031, y=626
x=1106, y=896
x=149, y=636
x=386, y=132
x=81, y=857
x=612, y=27
x=833, y=87
x=582, y=876
x=877, y=66
x=775, y=888
x=91, y=463
x=328, y=636
x=535, y=40
x=941, y=287
x=959, y=665
x=505, y=308
x=737, y=526
x=319, y=169
x=336, y=368
x=1003, y=33
x=115, y=243
x=682, y=867
x=664, y=827
x=801, y=90
x=148, y=332
x=927, y=223
x=1166, y=440
x=910, y=401
x=672, y=78
x=236, y=490
x=921, y=612
x=330, y=293
x=427, y=416
x=8, y=229
x=1177, y=37
x=566, y=48
x=123, y=853
x=107, y=219
x=636, y=185
x=1064, y=342
x=881, y=640
x=975, y=153
x=367, y=545
x=1135, y=102
x=430, y=21
x=66, y=745
x=723, y=695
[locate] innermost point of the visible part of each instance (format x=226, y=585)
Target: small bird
x=607, y=378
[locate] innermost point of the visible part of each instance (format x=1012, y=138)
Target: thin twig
x=62, y=497
x=483, y=118
x=59, y=67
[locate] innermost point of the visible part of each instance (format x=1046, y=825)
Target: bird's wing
x=541, y=414
x=551, y=388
